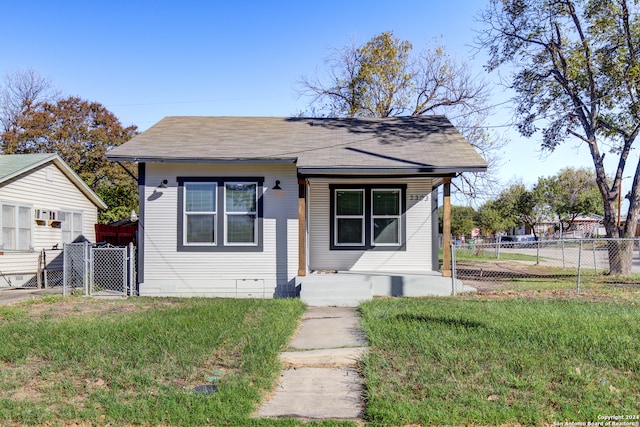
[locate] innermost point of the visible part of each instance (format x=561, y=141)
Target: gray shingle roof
x=409, y=144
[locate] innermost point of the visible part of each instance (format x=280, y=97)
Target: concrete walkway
x=15, y=295
x=320, y=379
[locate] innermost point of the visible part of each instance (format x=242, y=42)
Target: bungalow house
x=265, y=207
x=44, y=204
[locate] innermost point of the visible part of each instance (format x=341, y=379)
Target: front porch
x=348, y=289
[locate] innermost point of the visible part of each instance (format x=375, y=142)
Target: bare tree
x=20, y=90
x=382, y=78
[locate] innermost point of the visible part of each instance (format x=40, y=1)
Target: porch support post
x=302, y=227
x=446, y=228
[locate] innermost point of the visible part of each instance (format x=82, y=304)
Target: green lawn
x=137, y=361
x=483, y=361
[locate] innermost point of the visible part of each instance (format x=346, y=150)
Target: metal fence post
x=579, y=264
x=595, y=263
x=64, y=269
x=453, y=269
x=86, y=273
x=562, y=241
x=130, y=265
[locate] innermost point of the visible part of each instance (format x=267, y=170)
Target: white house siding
x=43, y=188
x=415, y=259
x=268, y=273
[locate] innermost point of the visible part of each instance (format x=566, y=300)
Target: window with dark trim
x=368, y=217
x=220, y=214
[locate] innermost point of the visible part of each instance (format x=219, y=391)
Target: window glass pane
x=8, y=216
x=200, y=228
x=8, y=227
x=349, y=202
x=349, y=231
x=241, y=228
x=385, y=230
x=65, y=226
x=24, y=219
x=386, y=202
x=240, y=197
x=24, y=225
x=200, y=197
x=77, y=225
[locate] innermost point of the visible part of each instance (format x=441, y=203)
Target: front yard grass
x=136, y=361
x=494, y=361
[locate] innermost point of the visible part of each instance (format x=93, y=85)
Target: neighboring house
x=255, y=206
x=583, y=226
x=44, y=204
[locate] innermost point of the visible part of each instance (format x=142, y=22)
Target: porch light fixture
x=163, y=184
x=277, y=186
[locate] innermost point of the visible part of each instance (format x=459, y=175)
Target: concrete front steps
x=349, y=289
x=340, y=290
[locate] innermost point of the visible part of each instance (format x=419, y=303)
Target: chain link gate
x=75, y=271
x=99, y=270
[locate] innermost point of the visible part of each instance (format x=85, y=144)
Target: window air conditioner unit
x=45, y=215
x=41, y=215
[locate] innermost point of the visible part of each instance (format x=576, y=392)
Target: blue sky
x=148, y=59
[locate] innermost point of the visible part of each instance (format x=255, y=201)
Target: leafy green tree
x=575, y=67
x=81, y=132
x=493, y=220
x=521, y=206
x=570, y=193
x=384, y=77
x=463, y=220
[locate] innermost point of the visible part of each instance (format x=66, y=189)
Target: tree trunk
x=620, y=257
x=620, y=251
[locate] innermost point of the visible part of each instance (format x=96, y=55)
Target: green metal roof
x=15, y=164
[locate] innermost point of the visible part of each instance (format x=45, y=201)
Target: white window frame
x=336, y=217
x=73, y=232
x=17, y=227
x=398, y=217
x=227, y=214
x=186, y=214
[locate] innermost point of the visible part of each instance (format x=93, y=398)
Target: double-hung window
x=70, y=226
x=17, y=223
x=367, y=217
x=220, y=214
x=241, y=213
x=200, y=212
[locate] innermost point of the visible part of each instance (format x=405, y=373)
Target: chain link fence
x=549, y=265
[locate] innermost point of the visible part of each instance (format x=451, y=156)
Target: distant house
x=583, y=226
x=44, y=204
x=264, y=206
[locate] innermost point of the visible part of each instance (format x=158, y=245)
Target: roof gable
x=12, y=166
x=417, y=144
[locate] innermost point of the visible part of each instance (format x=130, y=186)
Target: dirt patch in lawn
x=80, y=306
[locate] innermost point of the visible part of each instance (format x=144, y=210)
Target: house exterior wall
x=232, y=273
x=42, y=188
x=416, y=258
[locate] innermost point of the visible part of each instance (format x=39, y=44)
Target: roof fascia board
x=75, y=178
x=445, y=171
x=140, y=159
